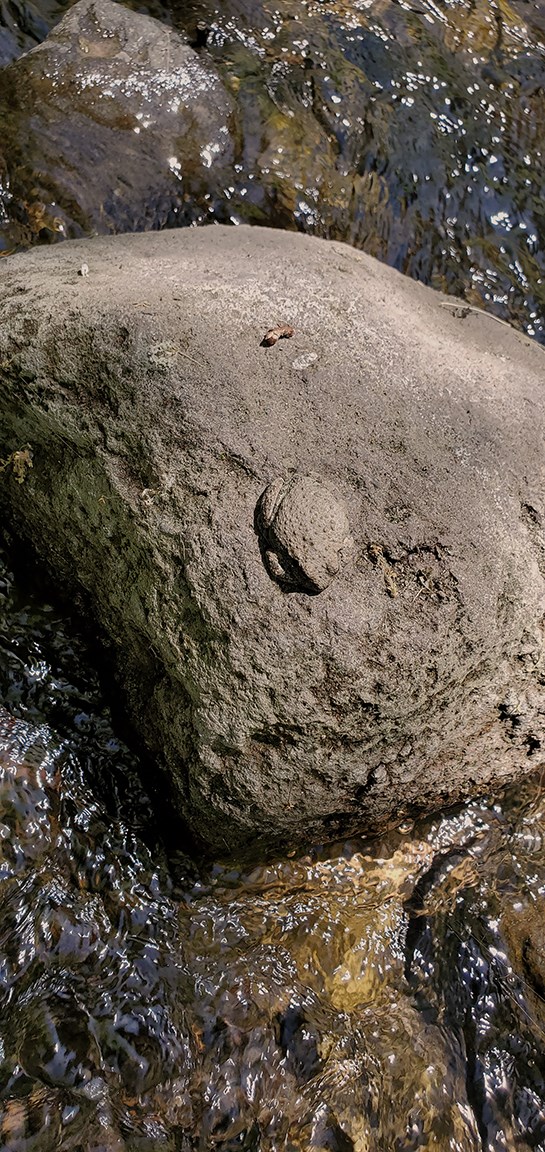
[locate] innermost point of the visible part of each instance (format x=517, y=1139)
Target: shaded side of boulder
x=285, y=710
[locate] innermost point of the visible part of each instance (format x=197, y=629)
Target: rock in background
x=112, y=124
x=413, y=133
x=287, y=702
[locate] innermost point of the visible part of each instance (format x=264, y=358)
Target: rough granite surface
x=285, y=711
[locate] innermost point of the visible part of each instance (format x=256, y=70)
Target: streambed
x=371, y=995
x=411, y=130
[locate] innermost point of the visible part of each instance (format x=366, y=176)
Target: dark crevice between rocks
x=510, y=719
x=532, y=743
x=362, y=791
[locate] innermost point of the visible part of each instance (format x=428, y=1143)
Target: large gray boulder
x=319, y=565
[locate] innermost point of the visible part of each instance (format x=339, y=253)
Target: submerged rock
x=154, y=420
x=412, y=132
x=112, y=124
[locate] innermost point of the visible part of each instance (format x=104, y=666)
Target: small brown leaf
x=279, y=332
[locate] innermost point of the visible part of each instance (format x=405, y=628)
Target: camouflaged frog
x=303, y=531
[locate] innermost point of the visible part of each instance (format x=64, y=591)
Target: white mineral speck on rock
x=305, y=361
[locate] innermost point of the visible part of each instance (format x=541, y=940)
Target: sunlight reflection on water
x=412, y=131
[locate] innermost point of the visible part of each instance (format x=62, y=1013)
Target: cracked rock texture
x=156, y=421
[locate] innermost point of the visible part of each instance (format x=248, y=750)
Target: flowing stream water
x=413, y=129
x=375, y=996
x=381, y=996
